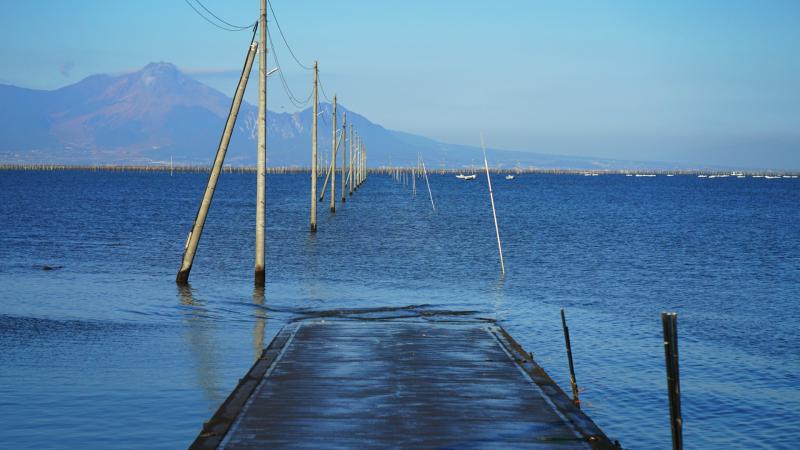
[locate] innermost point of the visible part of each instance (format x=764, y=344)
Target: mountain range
x=158, y=114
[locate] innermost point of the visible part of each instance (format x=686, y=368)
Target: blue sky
x=687, y=81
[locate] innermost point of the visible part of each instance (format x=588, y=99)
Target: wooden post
x=333, y=157
x=261, y=175
x=314, y=157
x=573, y=384
x=670, y=323
x=344, y=154
x=190, y=248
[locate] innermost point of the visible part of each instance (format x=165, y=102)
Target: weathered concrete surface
x=334, y=383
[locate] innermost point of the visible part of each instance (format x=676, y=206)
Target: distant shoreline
x=383, y=169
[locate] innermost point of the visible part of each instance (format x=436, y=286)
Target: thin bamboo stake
x=494, y=213
x=428, y=183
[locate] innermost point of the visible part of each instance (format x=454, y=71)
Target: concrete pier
x=412, y=382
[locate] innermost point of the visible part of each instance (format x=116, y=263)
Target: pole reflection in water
x=260, y=321
x=199, y=330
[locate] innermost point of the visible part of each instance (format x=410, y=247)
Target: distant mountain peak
x=160, y=67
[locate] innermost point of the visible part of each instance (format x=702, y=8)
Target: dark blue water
x=106, y=352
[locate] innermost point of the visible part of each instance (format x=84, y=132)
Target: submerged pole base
x=313, y=228
x=260, y=278
x=333, y=209
x=183, y=276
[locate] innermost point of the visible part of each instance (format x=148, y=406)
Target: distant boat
x=628, y=175
x=461, y=176
x=702, y=176
x=770, y=177
x=670, y=174
x=509, y=177
x=645, y=174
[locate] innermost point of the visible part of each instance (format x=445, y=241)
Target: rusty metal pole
x=333, y=157
x=314, y=157
x=670, y=323
x=573, y=384
x=190, y=248
x=261, y=171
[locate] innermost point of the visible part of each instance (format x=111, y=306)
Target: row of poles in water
x=356, y=163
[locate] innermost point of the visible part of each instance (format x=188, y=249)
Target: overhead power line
x=223, y=25
x=292, y=97
x=275, y=18
x=322, y=88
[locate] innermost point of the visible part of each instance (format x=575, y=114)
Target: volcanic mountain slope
x=158, y=113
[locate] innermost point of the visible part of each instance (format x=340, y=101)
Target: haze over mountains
x=158, y=113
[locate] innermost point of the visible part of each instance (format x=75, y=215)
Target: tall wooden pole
x=350, y=160
x=344, y=155
x=333, y=157
x=357, y=162
x=314, y=157
x=261, y=176
x=193, y=239
x=357, y=166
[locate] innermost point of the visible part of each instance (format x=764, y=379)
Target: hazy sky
x=693, y=81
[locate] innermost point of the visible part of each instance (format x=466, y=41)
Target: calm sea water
x=106, y=351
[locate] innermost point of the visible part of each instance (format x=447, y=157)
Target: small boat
x=702, y=176
x=461, y=176
x=770, y=177
x=670, y=174
x=509, y=177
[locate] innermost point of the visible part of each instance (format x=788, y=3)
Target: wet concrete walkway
x=408, y=383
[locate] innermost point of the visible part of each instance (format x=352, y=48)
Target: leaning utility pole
x=262, y=146
x=314, y=157
x=333, y=157
x=190, y=248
